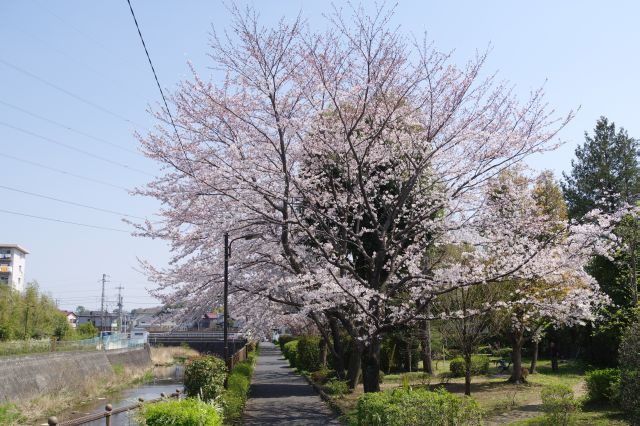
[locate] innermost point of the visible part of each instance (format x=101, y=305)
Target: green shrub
x=559, y=405
x=291, y=351
x=603, y=385
x=417, y=408
x=336, y=387
x=204, y=377
x=308, y=353
x=629, y=361
x=186, y=412
x=479, y=365
x=321, y=376
x=504, y=353
x=284, y=339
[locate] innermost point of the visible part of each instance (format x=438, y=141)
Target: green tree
x=605, y=175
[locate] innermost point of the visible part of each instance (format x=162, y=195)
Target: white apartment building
x=12, y=264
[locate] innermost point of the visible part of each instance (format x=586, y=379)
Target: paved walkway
x=279, y=396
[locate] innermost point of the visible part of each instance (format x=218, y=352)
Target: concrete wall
x=27, y=377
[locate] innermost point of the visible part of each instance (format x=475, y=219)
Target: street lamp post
x=227, y=255
x=226, y=303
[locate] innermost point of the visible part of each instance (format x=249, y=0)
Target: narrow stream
x=166, y=379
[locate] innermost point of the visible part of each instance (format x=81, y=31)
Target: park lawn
x=600, y=416
x=502, y=402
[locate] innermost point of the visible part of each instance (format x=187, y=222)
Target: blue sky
x=98, y=83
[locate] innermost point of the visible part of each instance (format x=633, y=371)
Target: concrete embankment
x=31, y=376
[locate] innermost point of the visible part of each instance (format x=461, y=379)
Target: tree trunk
x=534, y=357
x=409, y=360
x=427, y=364
x=632, y=272
x=323, y=352
x=516, y=358
x=371, y=366
x=355, y=361
x=554, y=356
x=467, y=374
x=338, y=348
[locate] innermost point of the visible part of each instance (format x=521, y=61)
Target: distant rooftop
x=14, y=246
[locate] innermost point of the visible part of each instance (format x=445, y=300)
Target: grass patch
x=170, y=355
x=10, y=415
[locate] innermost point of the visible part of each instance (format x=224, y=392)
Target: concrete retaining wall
x=27, y=377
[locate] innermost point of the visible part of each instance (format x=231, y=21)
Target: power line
x=105, y=228
x=64, y=126
x=68, y=93
x=73, y=203
x=64, y=172
x=73, y=148
x=154, y=72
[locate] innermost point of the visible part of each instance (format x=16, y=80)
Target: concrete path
x=279, y=396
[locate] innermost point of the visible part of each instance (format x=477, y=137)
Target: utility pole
x=102, y=313
x=120, y=320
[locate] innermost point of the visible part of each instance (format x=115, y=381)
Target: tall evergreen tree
x=605, y=172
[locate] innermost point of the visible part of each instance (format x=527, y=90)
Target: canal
x=166, y=380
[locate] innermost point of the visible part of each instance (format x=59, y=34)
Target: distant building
x=72, y=318
x=103, y=322
x=12, y=264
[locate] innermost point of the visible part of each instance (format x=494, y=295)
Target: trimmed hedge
x=420, y=407
x=235, y=396
x=185, y=412
x=479, y=365
x=308, y=353
x=284, y=339
x=204, y=377
x=290, y=352
x=603, y=385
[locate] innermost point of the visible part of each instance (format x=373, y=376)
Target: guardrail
x=107, y=343
x=109, y=411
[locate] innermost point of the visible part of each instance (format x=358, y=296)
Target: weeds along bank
x=43, y=384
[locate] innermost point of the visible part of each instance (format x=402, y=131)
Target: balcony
x=6, y=269
x=5, y=255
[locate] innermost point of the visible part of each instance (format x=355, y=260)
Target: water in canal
x=166, y=379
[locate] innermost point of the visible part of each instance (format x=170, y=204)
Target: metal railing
x=109, y=411
x=107, y=343
x=239, y=356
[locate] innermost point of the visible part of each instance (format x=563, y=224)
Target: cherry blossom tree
x=356, y=155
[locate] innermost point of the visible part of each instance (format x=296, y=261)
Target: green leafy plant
x=336, y=387
x=559, y=405
x=603, y=385
x=321, y=376
x=186, y=412
x=479, y=365
x=417, y=407
x=204, y=377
